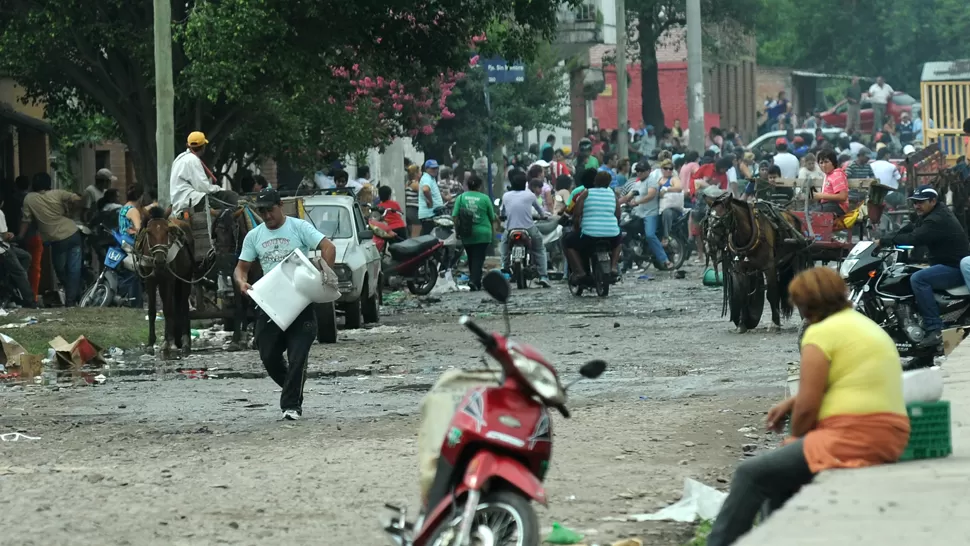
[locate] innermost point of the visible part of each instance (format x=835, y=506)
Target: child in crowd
x=393, y=217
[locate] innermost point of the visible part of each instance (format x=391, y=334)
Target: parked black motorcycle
x=879, y=287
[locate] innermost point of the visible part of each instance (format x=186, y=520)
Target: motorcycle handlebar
x=483, y=336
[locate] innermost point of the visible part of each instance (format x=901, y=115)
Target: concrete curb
x=918, y=502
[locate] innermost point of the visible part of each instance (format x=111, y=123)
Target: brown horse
x=165, y=262
x=229, y=229
x=761, y=247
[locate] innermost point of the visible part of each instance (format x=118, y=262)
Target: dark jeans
x=271, y=342
x=66, y=257
x=923, y=282
x=476, y=261
x=769, y=478
x=16, y=262
x=427, y=226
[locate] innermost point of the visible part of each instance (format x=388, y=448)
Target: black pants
x=427, y=226
x=476, y=261
x=772, y=478
x=295, y=342
x=16, y=261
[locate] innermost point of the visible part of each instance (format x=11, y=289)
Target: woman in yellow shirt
x=848, y=413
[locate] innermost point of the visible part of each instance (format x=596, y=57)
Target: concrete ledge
x=918, y=502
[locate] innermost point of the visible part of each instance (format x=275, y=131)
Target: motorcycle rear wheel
x=518, y=273
x=430, y=270
x=497, y=511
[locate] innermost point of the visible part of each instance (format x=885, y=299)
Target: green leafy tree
x=541, y=101
x=258, y=76
x=726, y=24
x=891, y=38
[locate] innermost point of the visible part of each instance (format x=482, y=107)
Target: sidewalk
x=920, y=502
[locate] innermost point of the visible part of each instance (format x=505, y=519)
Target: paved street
x=181, y=461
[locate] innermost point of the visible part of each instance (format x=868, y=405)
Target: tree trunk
x=653, y=113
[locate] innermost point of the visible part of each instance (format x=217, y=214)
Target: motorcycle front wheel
x=99, y=295
x=509, y=516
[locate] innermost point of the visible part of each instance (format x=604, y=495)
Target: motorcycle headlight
x=444, y=221
x=847, y=267
x=542, y=380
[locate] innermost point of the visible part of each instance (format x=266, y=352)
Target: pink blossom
x=331, y=100
x=353, y=82
x=447, y=114
x=427, y=129
x=349, y=108
x=473, y=61
x=398, y=106
x=380, y=81
x=356, y=67
x=368, y=82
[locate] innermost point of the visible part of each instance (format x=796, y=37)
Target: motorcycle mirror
x=593, y=369
x=495, y=284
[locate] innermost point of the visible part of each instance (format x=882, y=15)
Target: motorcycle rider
x=517, y=207
x=947, y=245
x=596, y=217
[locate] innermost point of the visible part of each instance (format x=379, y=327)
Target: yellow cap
x=196, y=139
x=566, y=150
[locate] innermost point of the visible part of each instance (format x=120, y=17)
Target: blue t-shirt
x=424, y=211
x=272, y=246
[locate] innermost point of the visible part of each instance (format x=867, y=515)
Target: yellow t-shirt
x=865, y=375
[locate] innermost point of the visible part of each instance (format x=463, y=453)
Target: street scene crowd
x=339, y=339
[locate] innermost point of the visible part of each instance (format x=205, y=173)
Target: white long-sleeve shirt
x=189, y=182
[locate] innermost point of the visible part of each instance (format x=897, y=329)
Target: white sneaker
x=291, y=415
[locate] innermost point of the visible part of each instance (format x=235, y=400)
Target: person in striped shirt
x=596, y=218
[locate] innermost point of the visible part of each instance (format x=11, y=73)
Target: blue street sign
x=501, y=71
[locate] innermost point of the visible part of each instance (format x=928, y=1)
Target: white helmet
x=908, y=149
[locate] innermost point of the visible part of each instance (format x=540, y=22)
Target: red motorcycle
x=413, y=261
x=497, y=450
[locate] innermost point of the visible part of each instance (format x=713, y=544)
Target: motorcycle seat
x=547, y=226
x=413, y=247
x=959, y=292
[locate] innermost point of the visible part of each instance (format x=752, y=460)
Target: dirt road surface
x=157, y=460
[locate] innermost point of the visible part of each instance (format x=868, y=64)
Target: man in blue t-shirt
x=270, y=243
x=429, y=196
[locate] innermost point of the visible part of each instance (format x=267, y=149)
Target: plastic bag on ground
x=699, y=500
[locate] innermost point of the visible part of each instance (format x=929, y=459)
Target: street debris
x=698, y=500
x=14, y=436
x=562, y=535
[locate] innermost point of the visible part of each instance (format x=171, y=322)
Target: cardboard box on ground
x=75, y=356
x=17, y=360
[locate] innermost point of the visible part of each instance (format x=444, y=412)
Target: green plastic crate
x=929, y=436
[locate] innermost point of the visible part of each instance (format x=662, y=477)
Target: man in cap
x=270, y=243
x=860, y=167
x=93, y=193
x=192, y=181
x=429, y=196
x=946, y=243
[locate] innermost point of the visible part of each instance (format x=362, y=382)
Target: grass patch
x=700, y=533
x=107, y=327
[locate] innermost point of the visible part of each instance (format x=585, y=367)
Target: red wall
x=673, y=97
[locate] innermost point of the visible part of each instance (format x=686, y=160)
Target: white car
x=766, y=142
x=357, y=265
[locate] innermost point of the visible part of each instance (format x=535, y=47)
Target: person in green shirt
x=475, y=221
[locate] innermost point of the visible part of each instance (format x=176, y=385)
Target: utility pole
x=622, y=117
x=164, y=100
x=695, y=75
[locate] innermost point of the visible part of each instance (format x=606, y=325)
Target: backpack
x=466, y=219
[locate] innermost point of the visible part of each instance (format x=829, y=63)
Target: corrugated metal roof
x=807, y=74
x=946, y=71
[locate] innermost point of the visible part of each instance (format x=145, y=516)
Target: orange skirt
x=855, y=441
